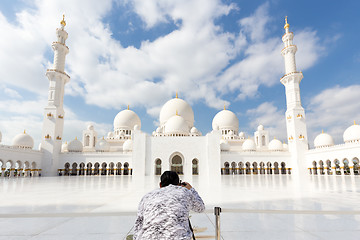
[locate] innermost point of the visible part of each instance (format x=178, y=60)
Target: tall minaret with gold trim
x=54, y=111
x=295, y=114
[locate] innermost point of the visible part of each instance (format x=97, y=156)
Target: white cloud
x=332, y=109
x=272, y=118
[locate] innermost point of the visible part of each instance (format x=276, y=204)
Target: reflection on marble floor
x=104, y=207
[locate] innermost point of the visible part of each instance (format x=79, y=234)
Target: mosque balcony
x=283, y=78
x=54, y=43
x=58, y=71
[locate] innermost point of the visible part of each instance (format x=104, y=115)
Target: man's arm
x=197, y=204
x=139, y=220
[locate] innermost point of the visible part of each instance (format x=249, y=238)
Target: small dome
x=249, y=145
x=75, y=146
x=194, y=130
x=158, y=130
x=23, y=140
x=276, y=145
x=225, y=119
x=102, y=146
x=181, y=107
x=242, y=135
x=136, y=127
x=285, y=146
x=176, y=124
x=110, y=135
x=323, y=140
x=224, y=145
x=90, y=127
x=126, y=119
x=352, y=133
x=260, y=128
x=64, y=147
x=127, y=146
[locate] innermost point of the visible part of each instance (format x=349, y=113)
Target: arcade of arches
x=18, y=168
x=336, y=167
x=88, y=169
x=255, y=168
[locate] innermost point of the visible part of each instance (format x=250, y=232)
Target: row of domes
x=351, y=134
x=275, y=145
x=101, y=146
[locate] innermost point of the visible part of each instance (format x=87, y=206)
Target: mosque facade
x=177, y=144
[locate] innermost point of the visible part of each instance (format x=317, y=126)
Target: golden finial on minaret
x=286, y=23
x=224, y=106
x=76, y=138
x=63, y=21
x=177, y=96
x=128, y=107
x=24, y=131
x=177, y=114
x=354, y=122
x=322, y=131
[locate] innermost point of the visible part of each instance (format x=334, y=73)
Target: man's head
x=169, y=177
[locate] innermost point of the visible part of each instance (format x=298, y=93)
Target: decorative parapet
x=58, y=71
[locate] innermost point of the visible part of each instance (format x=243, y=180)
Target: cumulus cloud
x=272, y=118
x=332, y=109
x=198, y=58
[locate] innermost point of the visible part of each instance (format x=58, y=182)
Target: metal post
x=217, y=211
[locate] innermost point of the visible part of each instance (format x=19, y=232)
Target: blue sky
x=212, y=52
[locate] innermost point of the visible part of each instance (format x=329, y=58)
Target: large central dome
x=126, y=119
x=177, y=106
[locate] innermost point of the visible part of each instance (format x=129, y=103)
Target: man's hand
x=186, y=184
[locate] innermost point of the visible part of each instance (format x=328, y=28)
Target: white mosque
x=177, y=144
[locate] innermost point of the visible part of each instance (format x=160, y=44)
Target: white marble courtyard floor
x=254, y=207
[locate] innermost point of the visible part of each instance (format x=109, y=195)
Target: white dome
x=225, y=119
x=158, y=130
x=241, y=134
x=23, y=140
x=136, y=127
x=102, y=146
x=90, y=127
x=194, y=130
x=110, y=135
x=249, y=145
x=323, y=140
x=126, y=119
x=75, y=146
x=260, y=127
x=276, y=145
x=352, y=133
x=285, y=146
x=224, y=145
x=64, y=147
x=176, y=124
x=127, y=146
x=181, y=107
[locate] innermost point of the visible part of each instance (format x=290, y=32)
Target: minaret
x=295, y=114
x=54, y=111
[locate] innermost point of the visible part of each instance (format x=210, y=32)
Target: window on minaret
x=87, y=140
x=263, y=140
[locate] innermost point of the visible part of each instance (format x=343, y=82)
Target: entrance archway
x=177, y=164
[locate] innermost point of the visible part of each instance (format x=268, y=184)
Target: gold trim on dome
x=63, y=21
x=287, y=25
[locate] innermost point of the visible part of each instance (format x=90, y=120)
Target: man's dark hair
x=169, y=177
